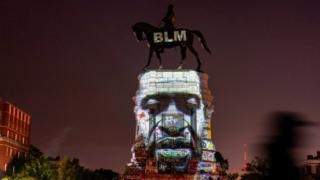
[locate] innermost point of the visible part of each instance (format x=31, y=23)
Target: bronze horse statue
x=161, y=38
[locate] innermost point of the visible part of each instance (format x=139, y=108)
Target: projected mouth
x=173, y=159
x=173, y=145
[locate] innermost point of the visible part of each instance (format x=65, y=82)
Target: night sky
x=73, y=66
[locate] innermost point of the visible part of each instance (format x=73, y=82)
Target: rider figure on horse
x=169, y=20
x=167, y=23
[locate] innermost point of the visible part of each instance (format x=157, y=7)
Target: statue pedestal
x=173, y=137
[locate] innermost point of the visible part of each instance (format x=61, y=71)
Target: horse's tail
x=202, y=40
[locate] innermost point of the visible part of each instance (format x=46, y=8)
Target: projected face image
x=172, y=135
x=172, y=120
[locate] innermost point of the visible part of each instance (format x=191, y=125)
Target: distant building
x=15, y=126
x=311, y=167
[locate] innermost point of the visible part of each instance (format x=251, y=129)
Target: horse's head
x=137, y=31
x=140, y=28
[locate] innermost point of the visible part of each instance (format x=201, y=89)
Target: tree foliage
x=257, y=169
x=37, y=166
x=68, y=169
x=232, y=176
x=223, y=163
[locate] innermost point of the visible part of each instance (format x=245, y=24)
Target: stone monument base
x=173, y=137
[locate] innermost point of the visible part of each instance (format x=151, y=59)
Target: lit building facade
x=311, y=167
x=173, y=137
x=15, y=127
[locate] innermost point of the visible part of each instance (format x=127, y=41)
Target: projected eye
x=192, y=101
x=152, y=102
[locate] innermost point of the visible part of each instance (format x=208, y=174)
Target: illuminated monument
x=173, y=111
x=173, y=133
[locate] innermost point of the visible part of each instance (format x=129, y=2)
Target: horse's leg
x=183, y=55
x=149, y=59
x=197, y=56
x=159, y=59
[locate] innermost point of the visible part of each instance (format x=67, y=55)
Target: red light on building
x=15, y=128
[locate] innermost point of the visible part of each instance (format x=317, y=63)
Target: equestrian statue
x=167, y=36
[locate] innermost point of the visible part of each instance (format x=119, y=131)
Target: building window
x=17, y=124
x=16, y=137
x=22, y=140
x=7, y=151
x=5, y=167
x=8, y=133
x=13, y=123
x=9, y=120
